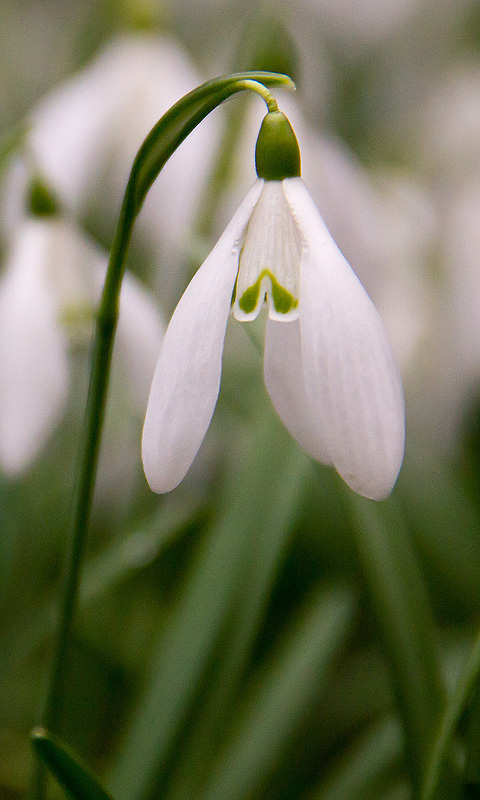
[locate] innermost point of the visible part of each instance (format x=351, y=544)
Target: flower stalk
x=159, y=145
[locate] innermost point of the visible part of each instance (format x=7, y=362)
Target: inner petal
x=269, y=264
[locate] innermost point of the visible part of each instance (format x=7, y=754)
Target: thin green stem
x=159, y=145
x=260, y=89
x=106, y=323
x=222, y=88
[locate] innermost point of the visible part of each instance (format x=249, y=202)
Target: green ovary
x=283, y=300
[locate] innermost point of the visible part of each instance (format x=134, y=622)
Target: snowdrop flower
x=384, y=223
x=329, y=367
x=49, y=290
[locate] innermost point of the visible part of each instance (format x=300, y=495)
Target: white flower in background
x=329, y=367
x=84, y=137
x=453, y=369
x=461, y=242
x=49, y=289
x=449, y=124
x=33, y=352
x=448, y=149
x=386, y=226
x=360, y=22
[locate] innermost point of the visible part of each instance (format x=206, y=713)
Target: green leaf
x=448, y=725
x=77, y=781
x=255, y=491
x=470, y=791
x=266, y=550
x=445, y=524
x=270, y=713
x=117, y=563
x=471, y=773
x=400, y=604
x=363, y=764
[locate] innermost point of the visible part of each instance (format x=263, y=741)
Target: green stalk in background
x=400, y=603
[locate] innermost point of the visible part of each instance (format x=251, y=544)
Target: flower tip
x=162, y=475
x=378, y=493
x=375, y=483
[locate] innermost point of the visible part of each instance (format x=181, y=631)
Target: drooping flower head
x=329, y=367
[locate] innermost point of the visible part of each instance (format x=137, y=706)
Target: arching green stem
x=159, y=145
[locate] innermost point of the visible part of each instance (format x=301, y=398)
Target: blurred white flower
x=49, y=290
x=329, y=367
x=85, y=135
x=361, y=22
x=449, y=128
x=455, y=354
x=462, y=260
x=33, y=351
x=448, y=145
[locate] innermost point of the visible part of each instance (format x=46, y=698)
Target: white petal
x=33, y=351
x=187, y=378
x=284, y=379
x=270, y=253
x=350, y=370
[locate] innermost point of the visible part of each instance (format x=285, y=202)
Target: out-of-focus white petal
x=91, y=128
x=361, y=22
x=187, y=378
x=448, y=133
x=140, y=331
x=285, y=382
x=85, y=135
x=33, y=351
x=350, y=371
x=77, y=271
x=73, y=266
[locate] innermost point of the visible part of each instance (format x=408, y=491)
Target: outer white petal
x=33, y=351
x=284, y=379
x=187, y=378
x=350, y=371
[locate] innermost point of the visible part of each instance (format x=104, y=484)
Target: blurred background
x=259, y=632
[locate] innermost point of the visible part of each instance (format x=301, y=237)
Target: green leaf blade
x=401, y=605
x=77, y=781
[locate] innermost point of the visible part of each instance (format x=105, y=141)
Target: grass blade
x=274, y=708
x=77, y=781
x=400, y=604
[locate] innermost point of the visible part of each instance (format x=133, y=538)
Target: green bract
x=283, y=300
x=277, y=155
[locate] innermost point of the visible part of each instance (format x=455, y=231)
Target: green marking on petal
x=283, y=300
x=249, y=298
